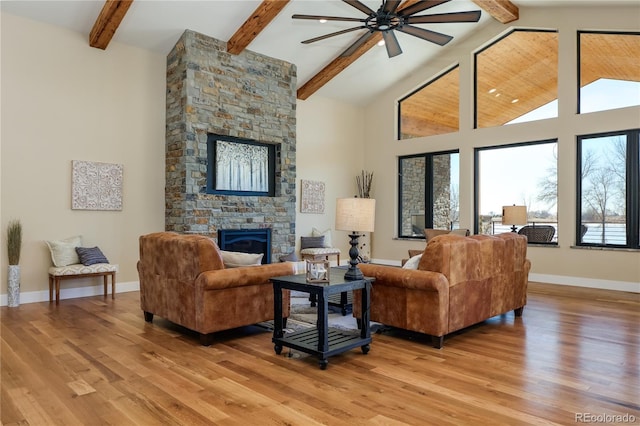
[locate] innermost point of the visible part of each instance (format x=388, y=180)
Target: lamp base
x=353, y=273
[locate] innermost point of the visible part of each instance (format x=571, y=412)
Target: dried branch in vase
x=364, y=184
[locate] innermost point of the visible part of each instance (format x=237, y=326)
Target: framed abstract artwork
x=96, y=186
x=240, y=166
x=312, y=197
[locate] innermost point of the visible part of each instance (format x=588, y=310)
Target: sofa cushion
x=63, y=252
x=234, y=259
x=90, y=255
x=311, y=242
x=326, y=234
x=413, y=262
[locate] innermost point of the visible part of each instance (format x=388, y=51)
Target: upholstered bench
x=320, y=253
x=74, y=271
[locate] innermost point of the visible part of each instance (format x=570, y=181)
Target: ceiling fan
x=387, y=19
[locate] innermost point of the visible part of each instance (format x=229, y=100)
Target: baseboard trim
x=72, y=293
x=561, y=280
x=586, y=282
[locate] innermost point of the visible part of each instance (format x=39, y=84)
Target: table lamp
x=355, y=215
x=514, y=215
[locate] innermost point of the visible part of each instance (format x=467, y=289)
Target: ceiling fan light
x=323, y=21
x=381, y=43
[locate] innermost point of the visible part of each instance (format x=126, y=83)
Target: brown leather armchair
x=183, y=279
x=460, y=281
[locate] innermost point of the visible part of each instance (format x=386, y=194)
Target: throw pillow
x=326, y=234
x=291, y=257
x=311, y=242
x=90, y=255
x=413, y=262
x=63, y=252
x=235, y=259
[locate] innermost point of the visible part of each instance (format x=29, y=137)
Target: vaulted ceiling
x=266, y=27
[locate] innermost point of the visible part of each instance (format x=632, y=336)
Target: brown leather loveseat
x=183, y=279
x=460, y=281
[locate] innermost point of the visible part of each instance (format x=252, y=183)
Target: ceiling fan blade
x=432, y=36
x=391, y=43
x=328, y=18
x=420, y=6
x=348, y=30
x=390, y=6
x=360, y=6
x=471, y=16
x=351, y=49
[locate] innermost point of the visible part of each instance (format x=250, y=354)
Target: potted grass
x=14, y=244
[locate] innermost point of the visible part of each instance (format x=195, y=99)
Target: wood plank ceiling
x=114, y=11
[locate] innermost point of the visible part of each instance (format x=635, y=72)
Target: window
x=609, y=75
x=522, y=174
x=429, y=197
x=608, y=188
x=431, y=110
x=516, y=79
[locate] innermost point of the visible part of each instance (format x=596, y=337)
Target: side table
x=322, y=341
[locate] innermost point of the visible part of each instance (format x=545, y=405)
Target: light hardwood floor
x=94, y=361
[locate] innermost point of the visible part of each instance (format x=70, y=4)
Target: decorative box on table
x=318, y=271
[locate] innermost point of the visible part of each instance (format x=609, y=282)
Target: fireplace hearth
x=246, y=241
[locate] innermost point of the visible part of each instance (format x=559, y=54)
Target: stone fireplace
x=248, y=96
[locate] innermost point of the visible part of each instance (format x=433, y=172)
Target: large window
x=609, y=72
x=522, y=174
x=608, y=189
x=517, y=79
x=433, y=109
x=429, y=193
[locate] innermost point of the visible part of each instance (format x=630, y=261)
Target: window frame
x=488, y=46
x=579, y=60
x=428, y=195
x=429, y=82
x=632, y=188
x=476, y=181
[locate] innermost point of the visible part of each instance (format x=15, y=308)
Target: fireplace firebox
x=246, y=241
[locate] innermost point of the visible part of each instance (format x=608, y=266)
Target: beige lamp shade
x=355, y=214
x=514, y=215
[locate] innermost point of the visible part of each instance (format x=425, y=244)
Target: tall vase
x=13, y=286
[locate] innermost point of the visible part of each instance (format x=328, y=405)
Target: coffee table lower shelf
x=307, y=341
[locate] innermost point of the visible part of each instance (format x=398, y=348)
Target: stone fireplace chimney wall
x=247, y=96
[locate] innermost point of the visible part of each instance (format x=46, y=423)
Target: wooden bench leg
x=57, y=282
x=105, y=280
x=113, y=285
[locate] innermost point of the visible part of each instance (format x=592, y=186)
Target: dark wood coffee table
x=321, y=341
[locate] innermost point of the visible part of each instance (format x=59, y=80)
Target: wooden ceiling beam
x=336, y=66
x=258, y=21
x=108, y=22
x=502, y=10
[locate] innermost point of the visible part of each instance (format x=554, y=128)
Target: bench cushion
x=79, y=268
x=320, y=251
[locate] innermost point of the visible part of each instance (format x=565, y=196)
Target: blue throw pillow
x=90, y=255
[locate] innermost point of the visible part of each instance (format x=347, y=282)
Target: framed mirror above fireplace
x=240, y=166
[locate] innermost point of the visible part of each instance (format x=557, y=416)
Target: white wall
x=330, y=148
x=562, y=264
x=61, y=101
